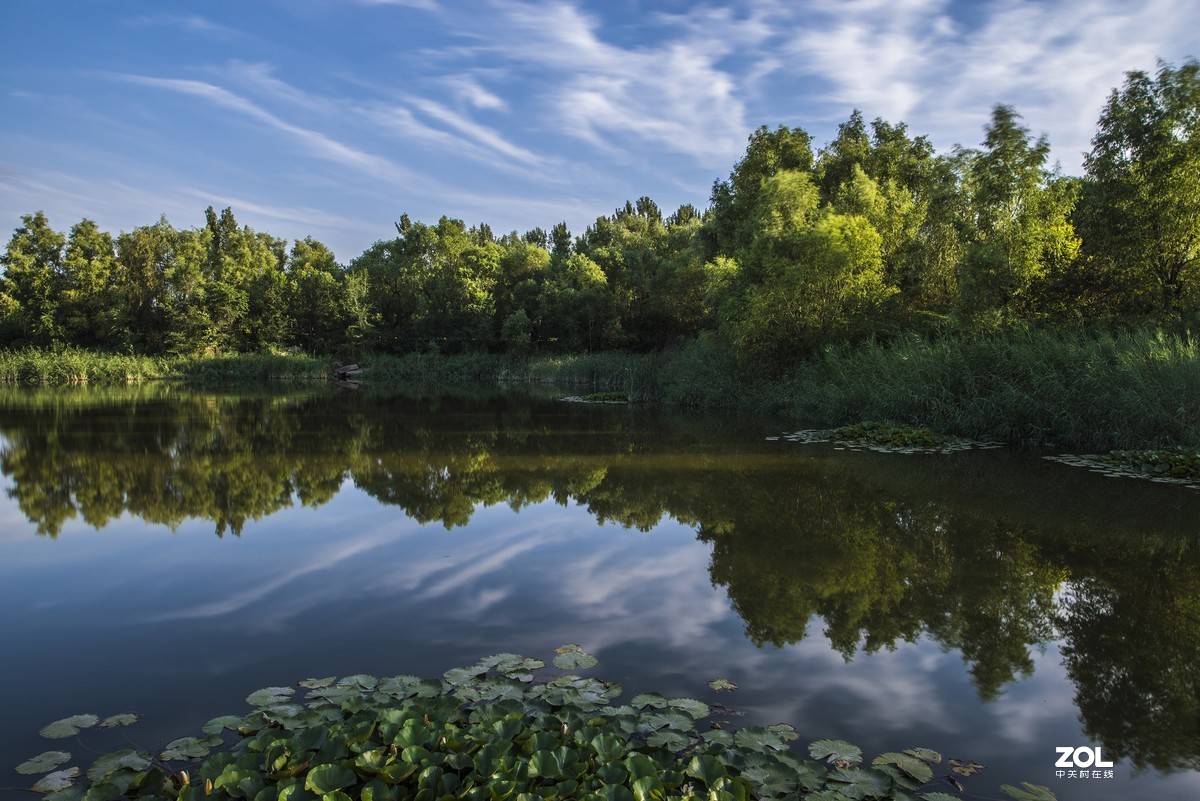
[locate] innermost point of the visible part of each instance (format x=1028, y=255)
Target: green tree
x=1020, y=228
x=89, y=307
x=33, y=279
x=1142, y=199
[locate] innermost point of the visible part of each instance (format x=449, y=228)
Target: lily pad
x=858, y=783
x=721, y=685
x=123, y=719
x=316, y=684
x=223, y=723
x=270, y=696
x=43, y=762
x=1028, y=792
x=697, y=709
x=68, y=727
x=572, y=657
x=58, y=780
x=916, y=768
x=836, y=751
x=118, y=760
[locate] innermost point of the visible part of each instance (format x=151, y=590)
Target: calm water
x=169, y=552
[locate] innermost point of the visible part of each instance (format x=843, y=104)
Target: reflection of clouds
x=1032, y=706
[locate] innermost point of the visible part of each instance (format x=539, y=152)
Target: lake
x=169, y=551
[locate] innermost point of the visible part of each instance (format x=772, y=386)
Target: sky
x=331, y=118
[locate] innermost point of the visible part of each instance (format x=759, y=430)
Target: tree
x=1020, y=229
x=727, y=228
x=33, y=279
x=89, y=306
x=1143, y=194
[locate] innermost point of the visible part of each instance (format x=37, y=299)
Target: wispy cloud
x=316, y=143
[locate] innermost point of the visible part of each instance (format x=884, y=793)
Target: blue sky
x=332, y=117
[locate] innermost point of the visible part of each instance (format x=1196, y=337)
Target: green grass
x=78, y=366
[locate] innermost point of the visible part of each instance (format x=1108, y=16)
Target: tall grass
x=1083, y=389
x=78, y=366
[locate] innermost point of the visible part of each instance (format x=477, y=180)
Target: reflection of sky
x=184, y=625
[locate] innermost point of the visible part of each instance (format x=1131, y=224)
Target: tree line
x=873, y=234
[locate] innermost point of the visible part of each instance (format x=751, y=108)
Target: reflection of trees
x=880, y=550
x=1133, y=651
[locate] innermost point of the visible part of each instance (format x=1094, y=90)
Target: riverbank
x=1074, y=390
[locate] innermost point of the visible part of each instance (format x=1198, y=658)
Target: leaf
x=316, y=684
x=785, y=731
x=939, y=797
x=359, y=680
x=721, y=685
x=697, y=709
x=218, y=725
x=58, y=780
x=327, y=778
x=572, y=657
x=117, y=760
x=925, y=754
x=858, y=783
x=43, y=762
x=758, y=738
x=188, y=748
x=910, y=765
x=835, y=750
x=124, y=719
x=270, y=696
x=965, y=767
x=706, y=768
x=1030, y=792
x=68, y=727
x=668, y=718
x=648, y=699
x=459, y=677
x=669, y=739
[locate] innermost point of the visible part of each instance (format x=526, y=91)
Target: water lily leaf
x=360, y=680
x=925, y=754
x=697, y=709
x=648, y=699
x=785, y=731
x=614, y=792
x=758, y=738
x=910, y=765
x=771, y=779
x=399, y=687
x=43, y=762
x=965, y=767
x=218, y=725
x=188, y=748
x=117, y=760
x=270, y=696
x=123, y=719
x=58, y=780
x=316, y=684
x=572, y=657
x=668, y=718
x=459, y=677
x=327, y=778
x=68, y=727
x=75, y=792
x=939, y=797
x=668, y=738
x=836, y=750
x=647, y=788
x=721, y=685
x=706, y=768
x=858, y=783
x=1028, y=792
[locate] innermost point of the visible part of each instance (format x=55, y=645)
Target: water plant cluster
x=1163, y=465
x=887, y=438
x=487, y=732
x=598, y=397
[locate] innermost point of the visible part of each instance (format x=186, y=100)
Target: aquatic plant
x=889, y=437
x=1162, y=465
x=598, y=397
x=487, y=732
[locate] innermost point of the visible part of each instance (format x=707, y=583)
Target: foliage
x=487, y=731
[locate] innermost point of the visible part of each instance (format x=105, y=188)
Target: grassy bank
x=1080, y=389
x=79, y=366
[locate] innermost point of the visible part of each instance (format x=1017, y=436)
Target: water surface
x=169, y=552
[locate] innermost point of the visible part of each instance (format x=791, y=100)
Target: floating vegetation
x=486, y=732
x=598, y=397
x=1164, y=465
x=887, y=438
